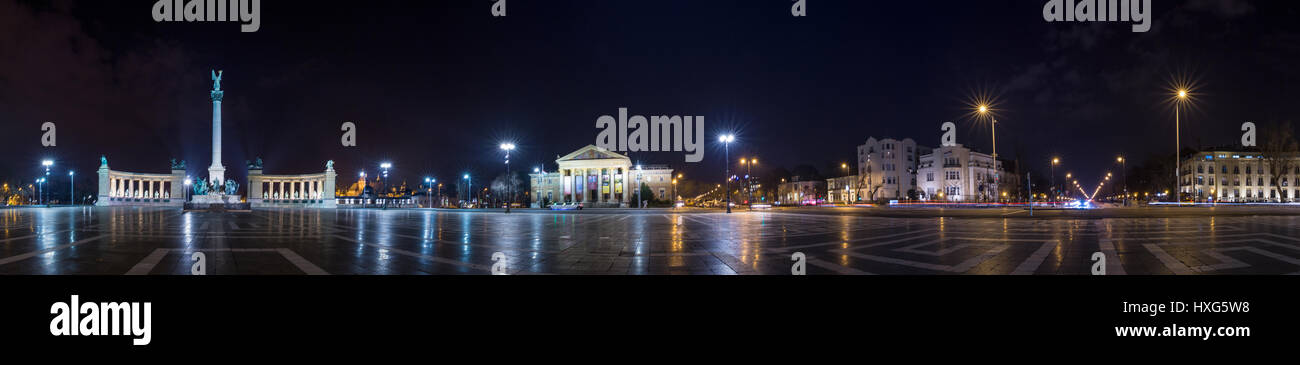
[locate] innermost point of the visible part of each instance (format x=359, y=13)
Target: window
x=929, y=176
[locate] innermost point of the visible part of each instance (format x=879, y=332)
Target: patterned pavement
x=153, y=241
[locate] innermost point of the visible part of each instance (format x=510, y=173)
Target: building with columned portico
x=597, y=177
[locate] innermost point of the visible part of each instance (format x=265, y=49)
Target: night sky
x=434, y=86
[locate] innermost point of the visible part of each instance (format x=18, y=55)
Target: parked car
x=566, y=206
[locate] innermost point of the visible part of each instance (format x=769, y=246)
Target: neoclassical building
x=135, y=188
x=597, y=177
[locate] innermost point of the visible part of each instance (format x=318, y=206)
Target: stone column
x=627, y=183
x=586, y=188
x=216, y=172
x=327, y=195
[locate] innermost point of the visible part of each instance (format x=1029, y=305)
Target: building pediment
x=592, y=152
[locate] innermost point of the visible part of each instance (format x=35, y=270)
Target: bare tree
x=1279, y=152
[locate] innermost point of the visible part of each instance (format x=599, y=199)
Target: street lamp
x=1124, y=165
x=47, y=164
x=186, y=194
x=385, y=166
x=984, y=110
x=674, y=193
x=40, y=191
x=541, y=175
x=638, y=186
x=510, y=186
x=72, y=187
x=428, y=181
x=726, y=140
x=469, y=189
x=1179, y=100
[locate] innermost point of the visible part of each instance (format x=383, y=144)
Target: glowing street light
x=984, y=111
x=72, y=189
x=510, y=186
x=726, y=140
x=1124, y=167
x=428, y=181
x=385, y=166
x=469, y=189
x=1180, y=98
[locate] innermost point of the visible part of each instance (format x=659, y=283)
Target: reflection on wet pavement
x=134, y=240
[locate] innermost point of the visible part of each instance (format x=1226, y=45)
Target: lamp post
x=469, y=189
x=510, y=186
x=639, y=200
x=428, y=183
x=72, y=187
x=674, y=194
x=1124, y=166
x=47, y=164
x=40, y=191
x=726, y=140
x=984, y=110
x=1178, y=102
x=541, y=175
x=845, y=166
x=186, y=194
x=1068, y=176
x=385, y=166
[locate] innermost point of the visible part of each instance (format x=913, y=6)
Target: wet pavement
x=154, y=241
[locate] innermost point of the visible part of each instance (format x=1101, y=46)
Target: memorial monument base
x=217, y=203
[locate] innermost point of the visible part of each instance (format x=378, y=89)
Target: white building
x=597, y=177
x=888, y=168
x=957, y=174
x=1235, y=176
x=843, y=189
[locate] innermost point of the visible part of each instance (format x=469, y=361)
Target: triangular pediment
x=592, y=152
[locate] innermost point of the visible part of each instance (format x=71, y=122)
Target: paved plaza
x=156, y=241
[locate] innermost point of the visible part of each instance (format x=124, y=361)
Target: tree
x=646, y=194
x=1279, y=152
x=505, y=185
